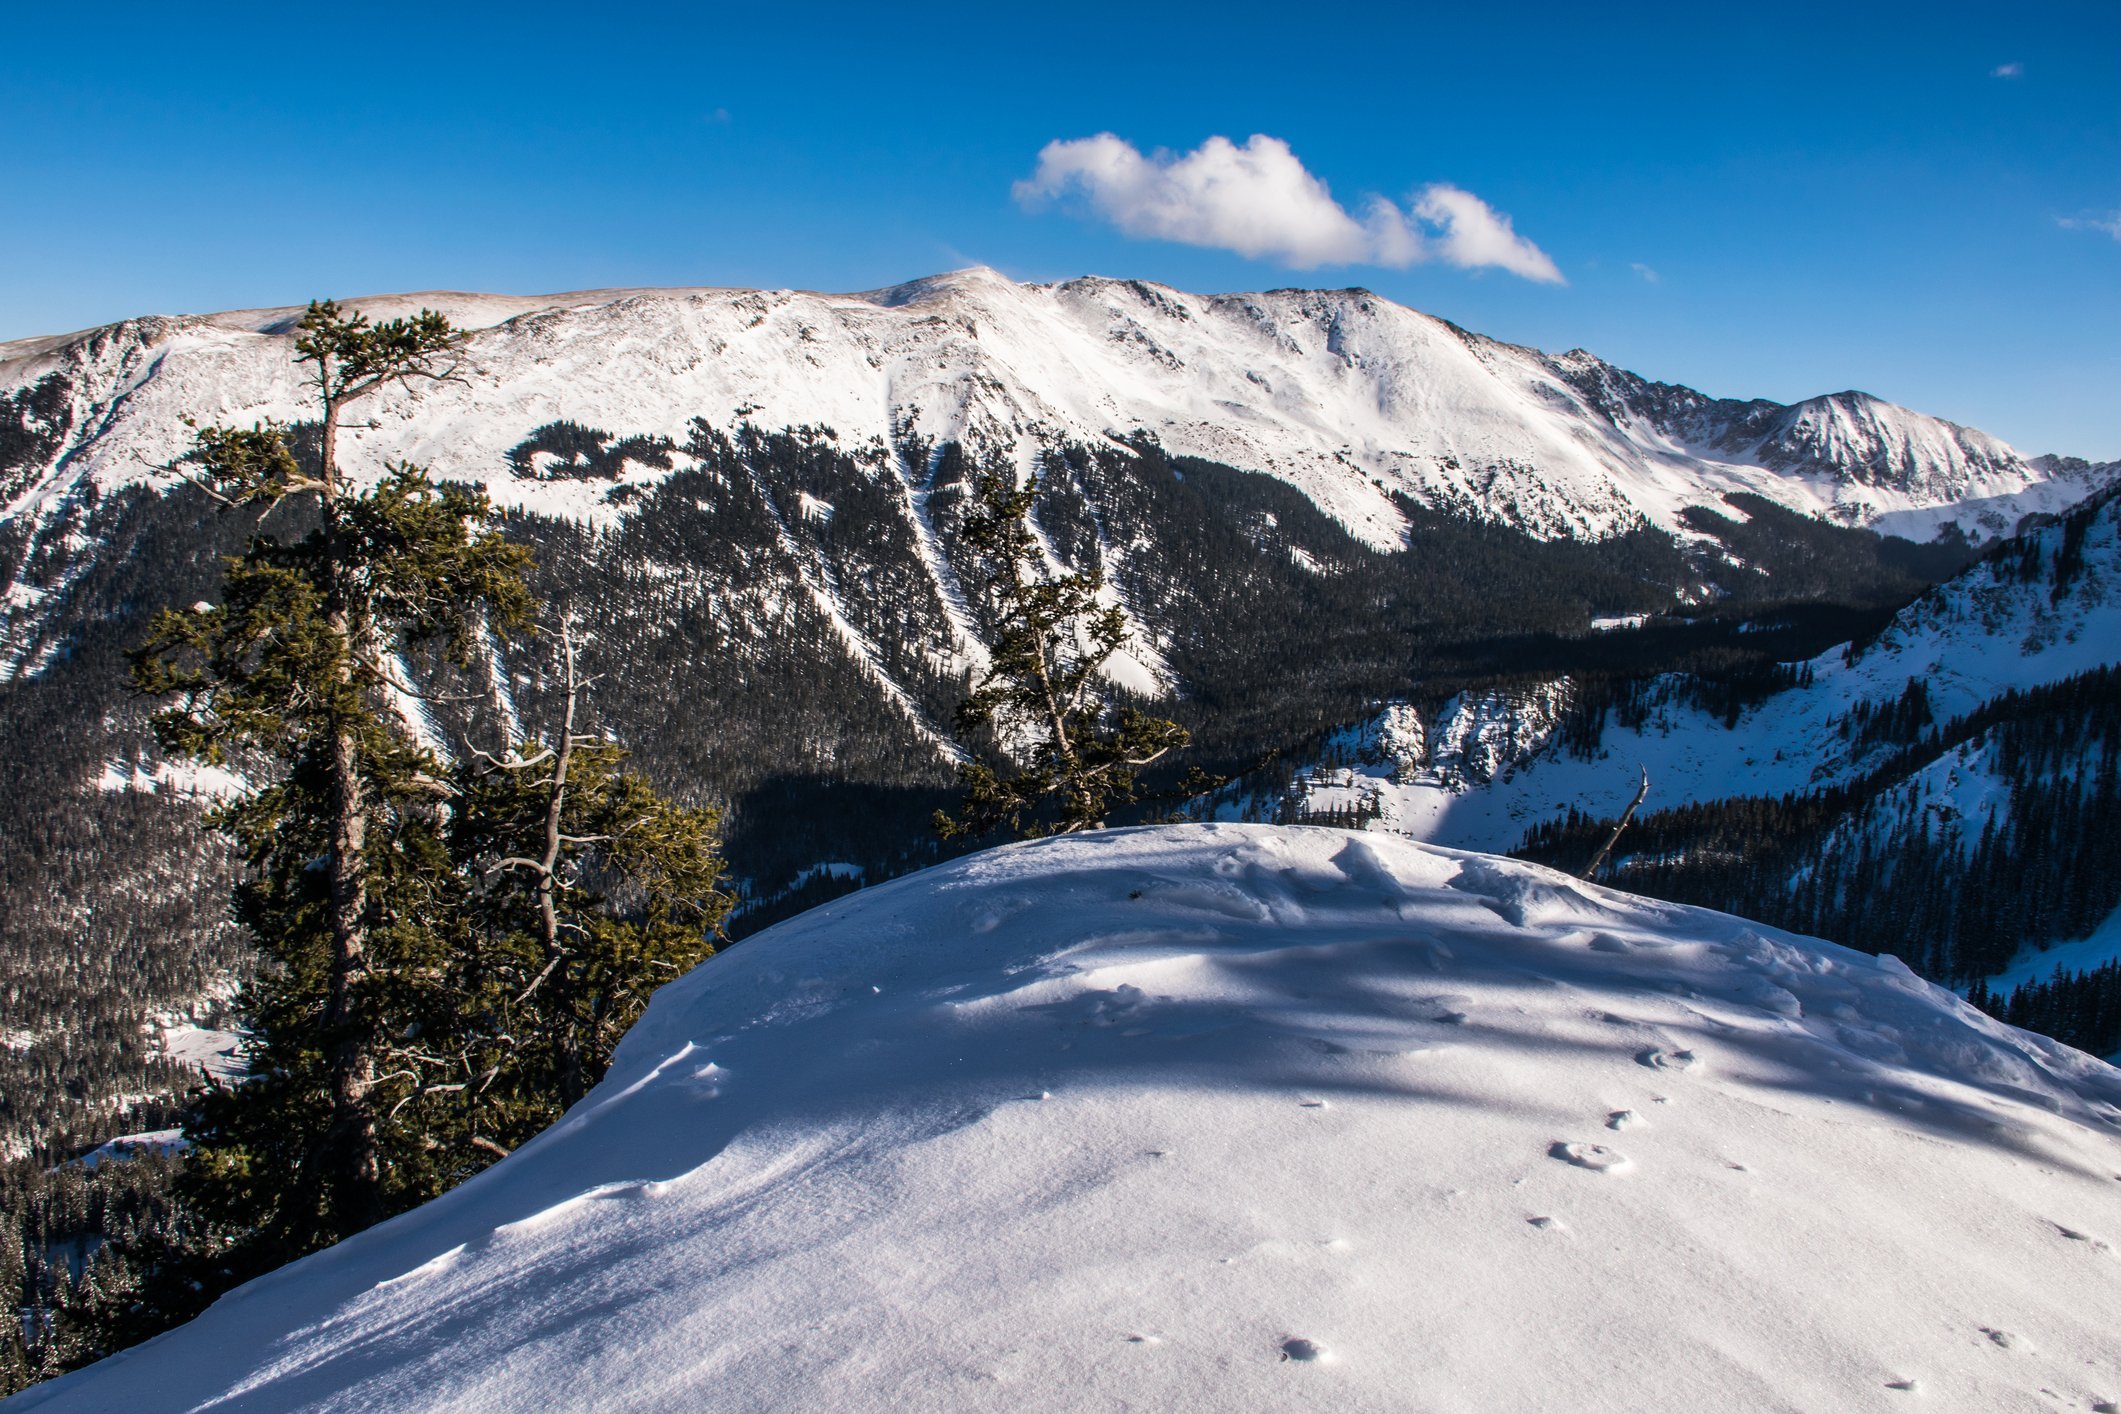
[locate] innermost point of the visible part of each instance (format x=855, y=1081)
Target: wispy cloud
x=2012, y=70
x=1648, y=275
x=1260, y=201
x=2110, y=224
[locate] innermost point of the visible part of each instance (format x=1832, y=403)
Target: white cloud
x=1260, y=201
x=1470, y=233
x=2011, y=70
x=1649, y=276
x=2111, y=225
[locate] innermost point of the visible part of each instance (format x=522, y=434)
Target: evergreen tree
x=1043, y=697
x=294, y=679
x=588, y=891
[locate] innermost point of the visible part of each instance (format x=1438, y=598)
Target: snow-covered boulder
x=1224, y=1117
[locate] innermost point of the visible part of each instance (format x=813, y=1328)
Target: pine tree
x=1043, y=696
x=589, y=891
x=293, y=680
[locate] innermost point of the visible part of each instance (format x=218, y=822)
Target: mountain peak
x=1353, y=399
x=971, y=279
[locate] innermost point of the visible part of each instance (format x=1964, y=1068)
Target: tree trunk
x=570, y=1057
x=358, y=1180
x=1618, y=826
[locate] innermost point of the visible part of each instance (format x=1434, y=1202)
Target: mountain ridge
x=1349, y=396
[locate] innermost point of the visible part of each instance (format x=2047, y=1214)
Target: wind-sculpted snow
x=1242, y=1117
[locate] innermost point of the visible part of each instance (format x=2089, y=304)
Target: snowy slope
x=2075, y=955
x=1241, y=1118
x=1347, y=395
x=1987, y=631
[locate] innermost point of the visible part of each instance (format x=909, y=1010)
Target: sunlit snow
x=1220, y=1117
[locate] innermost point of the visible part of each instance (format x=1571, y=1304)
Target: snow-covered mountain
x=1349, y=396
x=1491, y=763
x=1867, y=726
x=1242, y=1117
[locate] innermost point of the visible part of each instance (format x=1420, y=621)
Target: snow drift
x=1242, y=1117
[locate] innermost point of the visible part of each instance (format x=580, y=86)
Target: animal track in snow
x=1625, y=1119
x=1595, y=1157
x=1298, y=1348
x=2097, y=1244
x=2006, y=1340
x=1545, y=1224
x=1908, y=1385
x=1668, y=1060
x=1121, y=1006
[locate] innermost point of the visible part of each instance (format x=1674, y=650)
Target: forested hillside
x=777, y=624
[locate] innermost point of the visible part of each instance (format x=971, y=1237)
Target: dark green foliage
x=731, y=683
x=33, y=422
x=448, y=952
x=588, y=891
x=693, y=611
x=1042, y=700
x=347, y=884
x=68, y=1236
x=1278, y=624
x=581, y=453
x=114, y=898
x=2081, y=1009
x=1781, y=553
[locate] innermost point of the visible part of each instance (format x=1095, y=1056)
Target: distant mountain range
x=1309, y=503
x=1351, y=398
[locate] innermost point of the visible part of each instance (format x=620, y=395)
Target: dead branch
x=1618, y=825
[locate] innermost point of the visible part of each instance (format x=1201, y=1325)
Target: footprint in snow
x=1545, y=1224
x=1907, y=1385
x=1595, y=1157
x=1625, y=1119
x=2006, y=1340
x=1297, y=1348
x=2097, y=1245
x=1668, y=1060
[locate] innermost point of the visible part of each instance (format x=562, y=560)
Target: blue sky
x=1761, y=201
